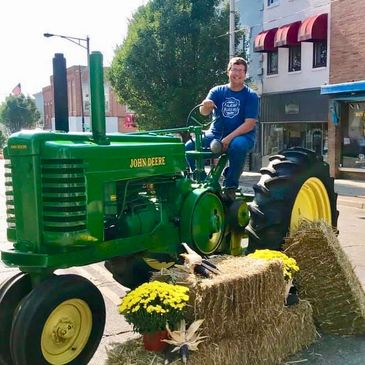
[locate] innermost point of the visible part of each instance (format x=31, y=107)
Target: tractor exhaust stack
x=97, y=99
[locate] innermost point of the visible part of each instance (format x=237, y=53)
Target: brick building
x=118, y=118
x=346, y=89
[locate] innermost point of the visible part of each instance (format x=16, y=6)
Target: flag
x=129, y=121
x=17, y=90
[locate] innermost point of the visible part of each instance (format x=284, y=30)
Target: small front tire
x=12, y=291
x=60, y=322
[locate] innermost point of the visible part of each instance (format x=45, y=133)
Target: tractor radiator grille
x=9, y=193
x=63, y=195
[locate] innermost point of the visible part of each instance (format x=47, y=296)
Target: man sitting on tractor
x=235, y=112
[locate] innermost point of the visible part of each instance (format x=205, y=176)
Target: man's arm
x=245, y=127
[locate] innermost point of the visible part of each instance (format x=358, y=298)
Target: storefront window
x=278, y=136
x=353, y=133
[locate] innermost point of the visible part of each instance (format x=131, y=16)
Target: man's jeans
x=237, y=151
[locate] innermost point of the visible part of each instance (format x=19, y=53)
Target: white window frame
x=316, y=56
x=268, y=69
x=291, y=62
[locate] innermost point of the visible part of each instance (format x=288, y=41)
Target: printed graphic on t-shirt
x=230, y=107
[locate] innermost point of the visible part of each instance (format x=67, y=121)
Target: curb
x=351, y=201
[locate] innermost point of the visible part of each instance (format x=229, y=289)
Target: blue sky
x=26, y=56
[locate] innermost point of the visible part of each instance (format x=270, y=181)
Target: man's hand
x=226, y=141
x=246, y=127
x=207, y=107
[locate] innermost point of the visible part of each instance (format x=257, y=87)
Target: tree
x=174, y=52
x=18, y=112
x=3, y=140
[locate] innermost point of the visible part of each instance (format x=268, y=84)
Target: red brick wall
x=347, y=63
x=74, y=100
x=347, y=46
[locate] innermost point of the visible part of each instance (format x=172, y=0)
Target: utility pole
x=231, y=28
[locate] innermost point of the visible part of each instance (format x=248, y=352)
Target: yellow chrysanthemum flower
x=152, y=305
x=290, y=266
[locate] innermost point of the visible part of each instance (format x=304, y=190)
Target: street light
x=83, y=43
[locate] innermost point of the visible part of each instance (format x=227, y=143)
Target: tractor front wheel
x=12, y=291
x=296, y=185
x=60, y=322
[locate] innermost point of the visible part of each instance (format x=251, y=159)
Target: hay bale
x=245, y=316
x=271, y=342
x=132, y=352
x=246, y=293
x=277, y=338
x=327, y=280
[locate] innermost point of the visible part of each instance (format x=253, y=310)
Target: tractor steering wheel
x=198, y=119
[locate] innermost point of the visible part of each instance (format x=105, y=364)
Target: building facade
x=293, y=45
x=313, y=78
x=118, y=118
x=346, y=89
x=251, y=22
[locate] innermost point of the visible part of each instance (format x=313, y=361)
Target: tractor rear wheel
x=61, y=321
x=295, y=185
x=132, y=271
x=12, y=291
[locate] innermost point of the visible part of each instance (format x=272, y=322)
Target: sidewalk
x=350, y=192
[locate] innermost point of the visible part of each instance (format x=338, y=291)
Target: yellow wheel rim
x=66, y=332
x=156, y=264
x=242, y=214
x=311, y=203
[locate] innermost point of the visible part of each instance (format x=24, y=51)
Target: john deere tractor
x=75, y=199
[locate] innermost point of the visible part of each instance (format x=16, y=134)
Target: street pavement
x=327, y=350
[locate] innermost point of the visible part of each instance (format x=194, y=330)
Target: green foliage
x=3, y=139
x=18, y=112
x=175, y=51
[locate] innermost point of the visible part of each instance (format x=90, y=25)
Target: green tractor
x=125, y=199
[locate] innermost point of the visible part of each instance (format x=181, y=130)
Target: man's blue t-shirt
x=233, y=107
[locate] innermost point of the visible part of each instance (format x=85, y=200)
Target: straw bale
x=246, y=293
x=132, y=352
x=280, y=336
x=290, y=330
x=327, y=280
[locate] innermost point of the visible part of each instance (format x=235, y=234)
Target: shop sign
x=291, y=108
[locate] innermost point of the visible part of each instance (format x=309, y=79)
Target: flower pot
x=152, y=341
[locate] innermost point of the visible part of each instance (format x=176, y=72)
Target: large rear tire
x=295, y=185
x=132, y=271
